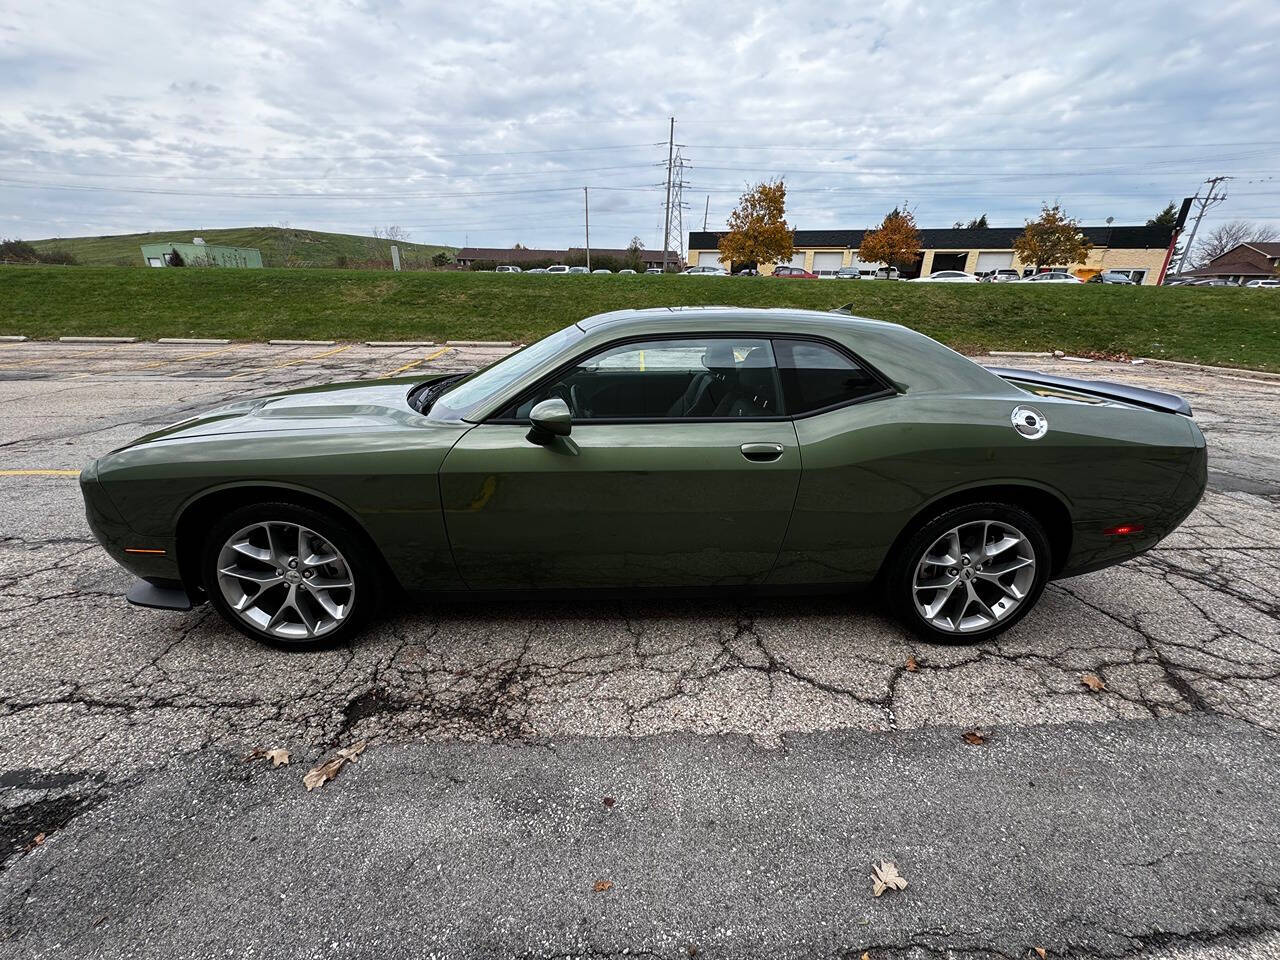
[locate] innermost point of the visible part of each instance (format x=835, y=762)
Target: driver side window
x=688, y=378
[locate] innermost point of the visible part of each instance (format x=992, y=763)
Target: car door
x=680, y=470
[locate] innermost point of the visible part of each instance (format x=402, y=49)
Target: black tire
x=901, y=570
x=357, y=559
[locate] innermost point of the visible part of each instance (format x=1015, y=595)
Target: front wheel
x=970, y=572
x=289, y=575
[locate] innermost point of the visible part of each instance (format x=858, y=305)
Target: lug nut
x=953, y=571
x=293, y=563
x=309, y=574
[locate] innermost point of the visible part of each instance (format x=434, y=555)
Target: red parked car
x=798, y=273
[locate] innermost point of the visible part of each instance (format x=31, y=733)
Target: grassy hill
x=310, y=248
x=1235, y=327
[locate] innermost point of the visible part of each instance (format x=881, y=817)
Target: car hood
x=356, y=405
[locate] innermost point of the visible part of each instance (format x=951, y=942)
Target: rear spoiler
x=1106, y=389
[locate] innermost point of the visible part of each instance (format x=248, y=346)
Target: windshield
x=472, y=392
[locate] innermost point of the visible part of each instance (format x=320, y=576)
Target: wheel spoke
x=1000, y=546
x=263, y=578
x=247, y=549
x=963, y=557
x=934, y=608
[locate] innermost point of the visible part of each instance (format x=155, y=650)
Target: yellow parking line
x=417, y=363
x=39, y=473
x=193, y=356
x=67, y=356
x=290, y=363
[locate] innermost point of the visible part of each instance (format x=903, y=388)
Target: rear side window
x=815, y=376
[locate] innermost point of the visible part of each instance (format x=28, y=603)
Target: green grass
x=312, y=248
x=1233, y=327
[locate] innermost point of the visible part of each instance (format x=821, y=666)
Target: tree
x=1167, y=217
x=392, y=233
x=895, y=242
x=286, y=241
x=1053, y=240
x=977, y=223
x=439, y=259
x=1228, y=236
x=758, y=230
x=636, y=244
x=175, y=258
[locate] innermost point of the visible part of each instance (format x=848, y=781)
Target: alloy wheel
x=973, y=576
x=285, y=580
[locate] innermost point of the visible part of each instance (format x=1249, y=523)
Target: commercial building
x=1137, y=252
x=519, y=256
x=197, y=253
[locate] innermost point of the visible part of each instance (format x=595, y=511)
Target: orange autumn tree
x=895, y=242
x=1053, y=240
x=758, y=230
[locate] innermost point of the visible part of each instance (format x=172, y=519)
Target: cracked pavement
x=122, y=730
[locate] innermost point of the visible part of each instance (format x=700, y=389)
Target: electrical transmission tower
x=676, y=206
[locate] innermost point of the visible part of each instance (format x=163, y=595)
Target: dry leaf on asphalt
x=1040, y=952
x=278, y=757
x=912, y=666
x=324, y=772
x=608, y=803
x=885, y=876
x=1093, y=682
x=866, y=955
x=603, y=885
x=974, y=738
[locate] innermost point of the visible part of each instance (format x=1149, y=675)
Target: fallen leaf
x=1040, y=952
x=603, y=885
x=608, y=803
x=974, y=738
x=100, y=919
x=912, y=667
x=278, y=757
x=324, y=772
x=866, y=954
x=1093, y=682
x=38, y=840
x=885, y=876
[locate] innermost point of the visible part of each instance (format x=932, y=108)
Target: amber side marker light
x=142, y=550
x=1122, y=530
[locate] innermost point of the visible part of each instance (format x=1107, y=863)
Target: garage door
x=994, y=261
x=827, y=262
x=708, y=258
x=797, y=259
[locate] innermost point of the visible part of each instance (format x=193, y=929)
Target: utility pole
x=666, y=231
x=1205, y=202
x=706, y=210
x=586, y=220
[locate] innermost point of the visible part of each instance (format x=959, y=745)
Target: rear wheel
x=970, y=572
x=290, y=576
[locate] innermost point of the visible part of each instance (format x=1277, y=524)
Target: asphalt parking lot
x=759, y=755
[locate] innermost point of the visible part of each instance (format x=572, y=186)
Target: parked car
x=537, y=270
x=776, y=448
x=844, y=273
x=579, y=270
x=602, y=270
x=707, y=271
x=884, y=273
x=1264, y=284
x=626, y=271
x=1053, y=276
x=794, y=273
x=1107, y=276
x=1001, y=275
x=654, y=270
x=558, y=268
x=1213, y=282
x=507, y=268
x=947, y=276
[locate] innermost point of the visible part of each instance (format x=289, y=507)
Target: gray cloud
x=483, y=122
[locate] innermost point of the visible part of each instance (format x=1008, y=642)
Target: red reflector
x=1122, y=530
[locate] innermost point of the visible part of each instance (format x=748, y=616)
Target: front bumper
x=158, y=563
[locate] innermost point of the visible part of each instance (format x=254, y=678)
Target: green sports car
x=711, y=447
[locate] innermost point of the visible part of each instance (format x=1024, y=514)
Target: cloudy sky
x=481, y=123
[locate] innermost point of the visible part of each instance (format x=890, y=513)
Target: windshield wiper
x=424, y=396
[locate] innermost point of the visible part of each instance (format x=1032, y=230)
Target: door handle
x=761, y=452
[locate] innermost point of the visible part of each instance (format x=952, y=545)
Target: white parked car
x=1003, y=275
x=654, y=270
x=1053, y=276
x=602, y=270
x=579, y=270
x=620, y=272
x=948, y=276
x=508, y=269
x=706, y=272
x=558, y=268
x=1264, y=284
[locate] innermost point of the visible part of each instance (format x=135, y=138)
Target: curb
x=479, y=343
x=400, y=343
x=1267, y=374
x=301, y=343
x=209, y=340
x=97, y=339
x=1019, y=353
x=12, y=338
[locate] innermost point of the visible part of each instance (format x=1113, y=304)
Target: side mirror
x=548, y=420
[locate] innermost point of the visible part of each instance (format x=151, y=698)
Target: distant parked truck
x=199, y=254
